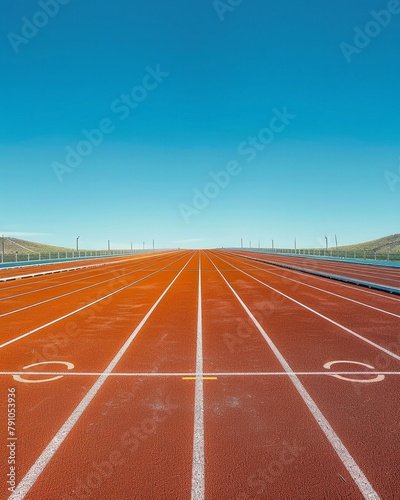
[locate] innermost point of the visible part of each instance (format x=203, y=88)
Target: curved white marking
x=19, y=378
x=378, y=378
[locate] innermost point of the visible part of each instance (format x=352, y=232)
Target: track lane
x=379, y=329
x=81, y=355
x=357, y=409
x=33, y=285
x=55, y=266
x=378, y=299
x=6, y=272
x=266, y=435
x=20, y=324
x=377, y=274
x=261, y=441
x=17, y=303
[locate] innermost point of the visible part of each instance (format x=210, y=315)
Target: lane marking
x=203, y=377
x=344, y=455
x=324, y=291
x=18, y=378
x=206, y=376
x=54, y=271
x=342, y=327
x=338, y=266
x=72, y=293
x=82, y=308
x=378, y=378
x=37, y=468
x=319, y=278
x=113, y=270
x=198, y=481
x=50, y=279
x=104, y=262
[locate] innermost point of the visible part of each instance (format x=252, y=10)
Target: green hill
x=382, y=245
x=15, y=245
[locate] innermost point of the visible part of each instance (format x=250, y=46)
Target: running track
x=368, y=271
x=199, y=375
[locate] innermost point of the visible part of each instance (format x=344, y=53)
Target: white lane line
x=319, y=278
x=110, y=271
x=54, y=271
x=104, y=262
x=324, y=291
x=190, y=374
x=37, y=468
x=348, y=461
x=26, y=283
x=81, y=308
x=73, y=292
x=198, y=482
x=342, y=327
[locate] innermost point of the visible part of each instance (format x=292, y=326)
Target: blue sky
x=180, y=89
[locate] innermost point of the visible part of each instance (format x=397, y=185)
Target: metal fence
x=81, y=254
x=339, y=254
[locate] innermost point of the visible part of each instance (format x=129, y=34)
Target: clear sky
x=119, y=119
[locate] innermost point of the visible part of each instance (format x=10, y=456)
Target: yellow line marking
x=204, y=378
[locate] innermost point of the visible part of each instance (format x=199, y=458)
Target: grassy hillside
x=13, y=245
x=382, y=245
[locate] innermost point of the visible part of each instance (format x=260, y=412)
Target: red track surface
x=199, y=375
x=382, y=275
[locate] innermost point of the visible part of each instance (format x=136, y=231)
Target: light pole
x=272, y=244
x=109, y=246
x=326, y=243
x=77, y=243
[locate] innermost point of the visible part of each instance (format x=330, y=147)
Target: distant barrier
x=338, y=254
x=73, y=255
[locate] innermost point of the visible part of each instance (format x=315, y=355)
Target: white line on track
x=37, y=468
x=73, y=292
x=5, y=287
x=198, y=484
x=382, y=295
x=324, y=291
x=190, y=374
x=357, y=268
x=348, y=461
x=342, y=327
x=82, y=308
x=55, y=271
x=114, y=270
